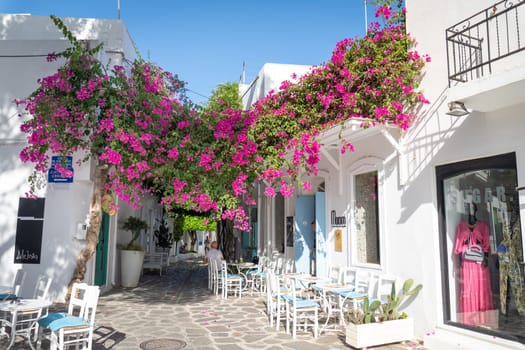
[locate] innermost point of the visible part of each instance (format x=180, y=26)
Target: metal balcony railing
x=475, y=45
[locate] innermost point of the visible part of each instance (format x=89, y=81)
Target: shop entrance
x=482, y=249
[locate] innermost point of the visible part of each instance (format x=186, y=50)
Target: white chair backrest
x=272, y=263
x=290, y=290
x=18, y=283
x=271, y=283
x=348, y=276
x=214, y=268
x=42, y=287
x=77, y=301
x=90, y=310
x=384, y=286
x=335, y=274
x=262, y=265
x=224, y=269
x=289, y=266
x=364, y=282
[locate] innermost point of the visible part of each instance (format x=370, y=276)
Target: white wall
x=438, y=139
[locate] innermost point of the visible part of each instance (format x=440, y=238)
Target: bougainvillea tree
x=146, y=137
x=372, y=80
x=121, y=118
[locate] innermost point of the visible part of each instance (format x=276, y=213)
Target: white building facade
x=400, y=203
x=46, y=235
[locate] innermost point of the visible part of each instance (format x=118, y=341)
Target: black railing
x=475, y=44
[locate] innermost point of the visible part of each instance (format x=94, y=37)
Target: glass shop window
x=366, y=218
x=482, y=249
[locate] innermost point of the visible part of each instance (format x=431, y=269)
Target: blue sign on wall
x=54, y=175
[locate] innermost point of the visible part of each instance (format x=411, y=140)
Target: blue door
x=304, y=235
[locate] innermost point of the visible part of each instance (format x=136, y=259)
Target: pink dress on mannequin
x=474, y=283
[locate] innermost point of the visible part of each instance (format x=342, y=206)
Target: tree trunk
x=193, y=237
x=95, y=220
x=227, y=240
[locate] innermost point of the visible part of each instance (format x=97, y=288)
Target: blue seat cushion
x=350, y=295
x=232, y=276
x=52, y=316
x=299, y=302
x=7, y=296
x=56, y=321
x=255, y=272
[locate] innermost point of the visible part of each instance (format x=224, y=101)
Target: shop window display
x=482, y=246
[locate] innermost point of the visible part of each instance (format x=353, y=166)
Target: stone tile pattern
x=178, y=305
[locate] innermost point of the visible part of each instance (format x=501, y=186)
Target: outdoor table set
x=333, y=297
x=21, y=317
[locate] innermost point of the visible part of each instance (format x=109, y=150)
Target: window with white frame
x=365, y=229
x=366, y=218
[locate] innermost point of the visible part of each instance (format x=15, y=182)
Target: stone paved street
x=176, y=311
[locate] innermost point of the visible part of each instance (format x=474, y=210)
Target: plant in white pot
x=380, y=322
x=131, y=254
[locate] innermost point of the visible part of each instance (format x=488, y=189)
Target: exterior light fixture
x=457, y=109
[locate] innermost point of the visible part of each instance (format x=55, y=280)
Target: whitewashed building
x=45, y=236
x=464, y=155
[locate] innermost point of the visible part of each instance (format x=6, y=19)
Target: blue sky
x=205, y=42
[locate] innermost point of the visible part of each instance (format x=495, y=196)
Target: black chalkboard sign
x=29, y=227
x=28, y=243
x=31, y=207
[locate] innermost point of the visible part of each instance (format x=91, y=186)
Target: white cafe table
x=328, y=291
x=241, y=270
x=17, y=309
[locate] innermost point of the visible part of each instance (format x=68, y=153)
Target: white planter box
x=371, y=334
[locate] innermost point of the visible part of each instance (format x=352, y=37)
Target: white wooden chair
x=383, y=287
x=276, y=301
x=299, y=310
x=216, y=276
x=74, y=329
x=210, y=276
x=361, y=285
x=257, y=276
x=335, y=273
x=18, y=283
x=42, y=286
x=230, y=282
x=22, y=322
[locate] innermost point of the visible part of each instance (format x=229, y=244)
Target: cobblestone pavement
x=176, y=311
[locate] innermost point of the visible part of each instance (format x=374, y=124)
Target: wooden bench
x=154, y=261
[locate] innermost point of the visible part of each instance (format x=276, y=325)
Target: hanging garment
x=510, y=272
x=474, y=278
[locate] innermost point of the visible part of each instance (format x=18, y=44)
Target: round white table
x=241, y=270
x=21, y=315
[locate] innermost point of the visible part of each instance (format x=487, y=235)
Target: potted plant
x=131, y=254
x=380, y=322
x=164, y=236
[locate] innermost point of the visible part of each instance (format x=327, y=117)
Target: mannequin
x=512, y=279
x=474, y=277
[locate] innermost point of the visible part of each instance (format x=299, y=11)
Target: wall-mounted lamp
x=457, y=109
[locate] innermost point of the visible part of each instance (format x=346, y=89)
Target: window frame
x=444, y=172
x=362, y=166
